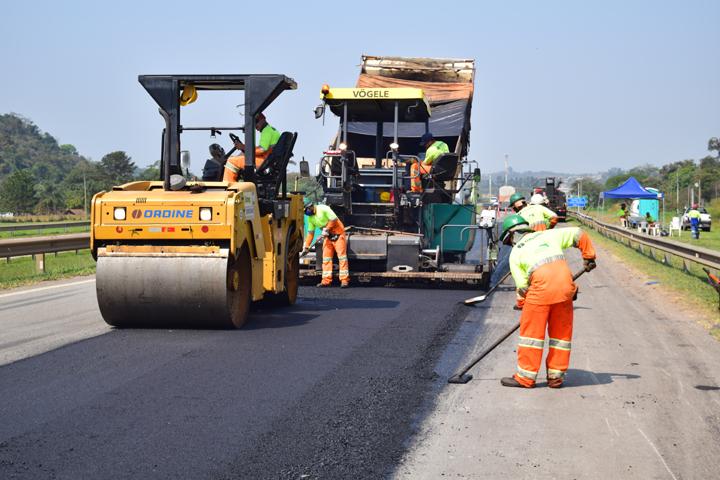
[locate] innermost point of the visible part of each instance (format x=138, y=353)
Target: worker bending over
x=434, y=149
x=269, y=136
x=543, y=278
x=538, y=216
x=334, y=241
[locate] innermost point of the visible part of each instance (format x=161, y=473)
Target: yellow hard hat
x=384, y=196
x=188, y=95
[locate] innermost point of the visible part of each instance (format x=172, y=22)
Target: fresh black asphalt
x=330, y=388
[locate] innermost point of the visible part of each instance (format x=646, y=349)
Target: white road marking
x=33, y=290
x=658, y=454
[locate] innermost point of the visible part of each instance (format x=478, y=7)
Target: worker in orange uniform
x=538, y=216
x=543, y=278
x=334, y=241
x=434, y=149
x=269, y=136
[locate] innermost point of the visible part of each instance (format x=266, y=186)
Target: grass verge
x=43, y=232
x=22, y=271
x=691, y=288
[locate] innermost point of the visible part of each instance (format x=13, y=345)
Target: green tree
x=16, y=192
x=49, y=198
x=118, y=167
x=151, y=172
x=590, y=189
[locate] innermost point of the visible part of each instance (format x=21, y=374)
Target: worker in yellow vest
x=543, y=278
x=434, y=149
x=538, y=216
x=334, y=242
x=269, y=136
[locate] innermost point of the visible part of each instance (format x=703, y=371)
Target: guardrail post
x=40, y=262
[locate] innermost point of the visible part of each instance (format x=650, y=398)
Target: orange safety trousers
x=557, y=319
x=235, y=165
x=417, y=170
x=330, y=248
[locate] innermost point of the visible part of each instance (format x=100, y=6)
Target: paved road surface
x=352, y=384
x=642, y=398
x=328, y=388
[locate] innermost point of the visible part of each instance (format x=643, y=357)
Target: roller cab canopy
x=260, y=91
x=378, y=104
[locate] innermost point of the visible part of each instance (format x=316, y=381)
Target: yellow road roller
x=188, y=251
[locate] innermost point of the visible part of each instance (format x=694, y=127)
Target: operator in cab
x=334, y=242
x=269, y=136
x=434, y=149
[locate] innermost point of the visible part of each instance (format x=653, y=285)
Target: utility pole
x=506, y=169
x=85, y=195
x=677, y=191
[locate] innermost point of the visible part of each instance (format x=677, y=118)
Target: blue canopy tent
x=632, y=189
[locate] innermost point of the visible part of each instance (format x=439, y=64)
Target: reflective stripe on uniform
x=527, y=373
x=552, y=373
x=344, y=272
x=545, y=261
x=327, y=274
x=327, y=259
x=560, y=344
x=232, y=167
x=531, y=342
x=342, y=258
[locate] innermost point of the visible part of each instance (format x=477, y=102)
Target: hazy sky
x=574, y=86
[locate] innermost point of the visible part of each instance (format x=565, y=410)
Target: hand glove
x=521, y=292
x=589, y=264
x=304, y=251
x=325, y=232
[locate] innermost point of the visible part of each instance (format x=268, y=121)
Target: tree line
x=40, y=176
x=680, y=181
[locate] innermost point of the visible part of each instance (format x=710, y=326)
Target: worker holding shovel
x=543, y=278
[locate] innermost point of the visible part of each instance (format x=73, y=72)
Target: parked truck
x=397, y=235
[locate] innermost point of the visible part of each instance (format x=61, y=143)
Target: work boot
x=555, y=382
x=345, y=285
x=323, y=285
x=515, y=307
x=511, y=382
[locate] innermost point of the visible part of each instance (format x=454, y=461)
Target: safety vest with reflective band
x=694, y=214
x=435, y=151
x=324, y=217
x=537, y=263
x=538, y=216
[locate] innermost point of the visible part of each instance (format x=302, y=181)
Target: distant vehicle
x=557, y=201
x=705, y=220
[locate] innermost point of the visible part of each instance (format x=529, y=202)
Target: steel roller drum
x=163, y=291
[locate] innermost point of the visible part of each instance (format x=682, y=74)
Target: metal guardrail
x=43, y=226
x=701, y=256
x=18, y=247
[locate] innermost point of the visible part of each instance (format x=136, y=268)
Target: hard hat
x=384, y=196
x=188, y=95
x=537, y=199
x=426, y=138
x=308, y=205
x=515, y=197
x=513, y=223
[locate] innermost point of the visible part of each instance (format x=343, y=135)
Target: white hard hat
x=537, y=199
